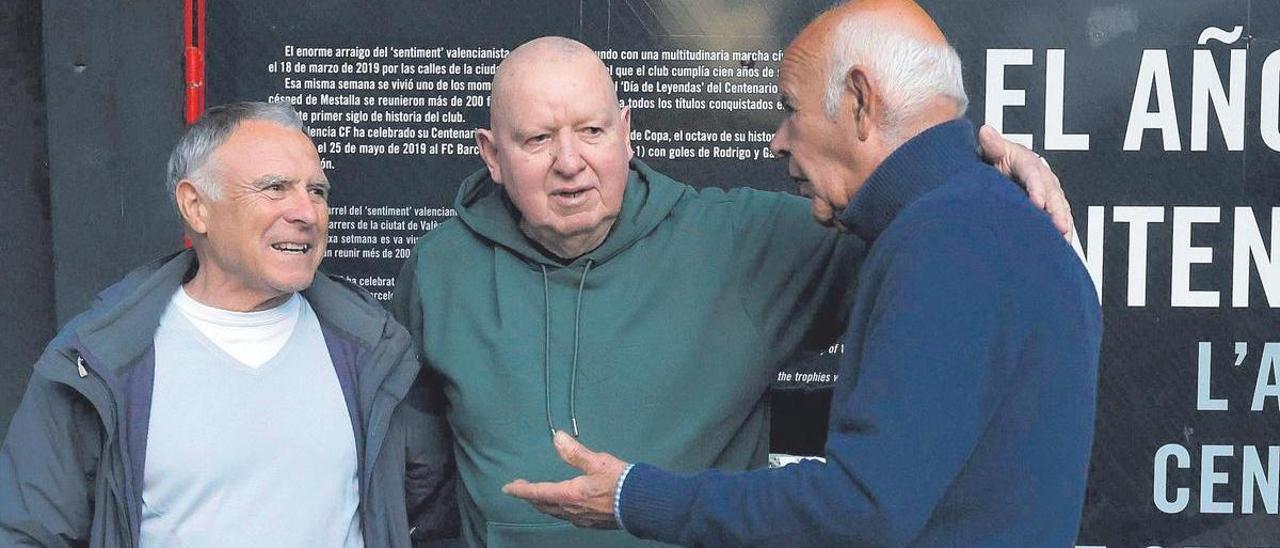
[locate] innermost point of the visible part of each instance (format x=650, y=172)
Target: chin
x=577, y=226
x=294, y=284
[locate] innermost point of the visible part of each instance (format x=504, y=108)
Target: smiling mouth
x=291, y=248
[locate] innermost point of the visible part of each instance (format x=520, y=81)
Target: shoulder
x=980, y=225
x=451, y=235
x=340, y=291
x=451, y=243
x=955, y=230
x=976, y=204
x=349, y=308
x=452, y=239
x=108, y=302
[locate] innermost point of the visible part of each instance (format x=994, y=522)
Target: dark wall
x=92, y=103
x=113, y=78
x=26, y=281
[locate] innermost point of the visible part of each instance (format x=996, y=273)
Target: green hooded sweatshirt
x=658, y=346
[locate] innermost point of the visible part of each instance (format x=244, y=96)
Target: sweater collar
x=920, y=165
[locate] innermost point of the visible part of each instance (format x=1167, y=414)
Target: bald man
x=579, y=290
x=963, y=413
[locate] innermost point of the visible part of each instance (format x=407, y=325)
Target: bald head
x=542, y=58
x=860, y=80
x=916, y=73
x=558, y=144
x=903, y=16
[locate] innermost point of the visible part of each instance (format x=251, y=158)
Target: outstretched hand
x=585, y=501
x=1032, y=172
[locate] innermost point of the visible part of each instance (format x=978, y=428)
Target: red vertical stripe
x=193, y=16
x=193, y=65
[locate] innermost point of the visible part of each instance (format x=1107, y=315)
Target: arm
x=47, y=468
x=431, y=480
x=796, y=277
x=927, y=384
x=431, y=476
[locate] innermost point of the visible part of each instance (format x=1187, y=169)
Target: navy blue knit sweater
x=963, y=411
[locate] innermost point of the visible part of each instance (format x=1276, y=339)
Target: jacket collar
x=354, y=313
x=122, y=324
x=123, y=321
x=920, y=165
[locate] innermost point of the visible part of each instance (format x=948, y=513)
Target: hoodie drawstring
x=573, y=379
x=546, y=355
x=546, y=360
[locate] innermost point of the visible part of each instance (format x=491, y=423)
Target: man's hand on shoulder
x=1032, y=172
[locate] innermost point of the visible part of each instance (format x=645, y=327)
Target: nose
x=301, y=207
x=568, y=159
x=780, y=145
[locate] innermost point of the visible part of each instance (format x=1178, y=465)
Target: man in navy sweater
x=963, y=412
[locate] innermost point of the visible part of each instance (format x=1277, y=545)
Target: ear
x=625, y=117
x=865, y=101
x=192, y=206
x=489, y=153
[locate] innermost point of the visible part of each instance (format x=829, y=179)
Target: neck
x=886, y=141
x=572, y=247
x=935, y=111
x=218, y=294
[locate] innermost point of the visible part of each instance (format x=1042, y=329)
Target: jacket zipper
x=111, y=440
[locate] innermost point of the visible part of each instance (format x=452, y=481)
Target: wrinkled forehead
x=804, y=64
x=262, y=146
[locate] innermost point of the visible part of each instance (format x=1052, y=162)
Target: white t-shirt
x=250, y=337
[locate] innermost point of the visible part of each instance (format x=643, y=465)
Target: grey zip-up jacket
x=72, y=463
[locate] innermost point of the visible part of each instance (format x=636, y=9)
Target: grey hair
x=191, y=155
x=910, y=72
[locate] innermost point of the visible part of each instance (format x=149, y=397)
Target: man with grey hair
x=963, y=412
x=228, y=395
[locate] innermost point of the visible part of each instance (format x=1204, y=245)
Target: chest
x=216, y=420
x=627, y=340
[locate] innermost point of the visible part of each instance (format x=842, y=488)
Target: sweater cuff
x=617, y=497
x=655, y=503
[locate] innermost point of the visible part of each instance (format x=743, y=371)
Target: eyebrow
x=271, y=179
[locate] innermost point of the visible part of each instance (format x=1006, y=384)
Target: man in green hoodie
x=580, y=290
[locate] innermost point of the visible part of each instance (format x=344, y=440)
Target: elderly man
x=581, y=290
x=226, y=395
x=963, y=414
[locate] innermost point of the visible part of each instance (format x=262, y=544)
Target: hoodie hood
x=484, y=207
